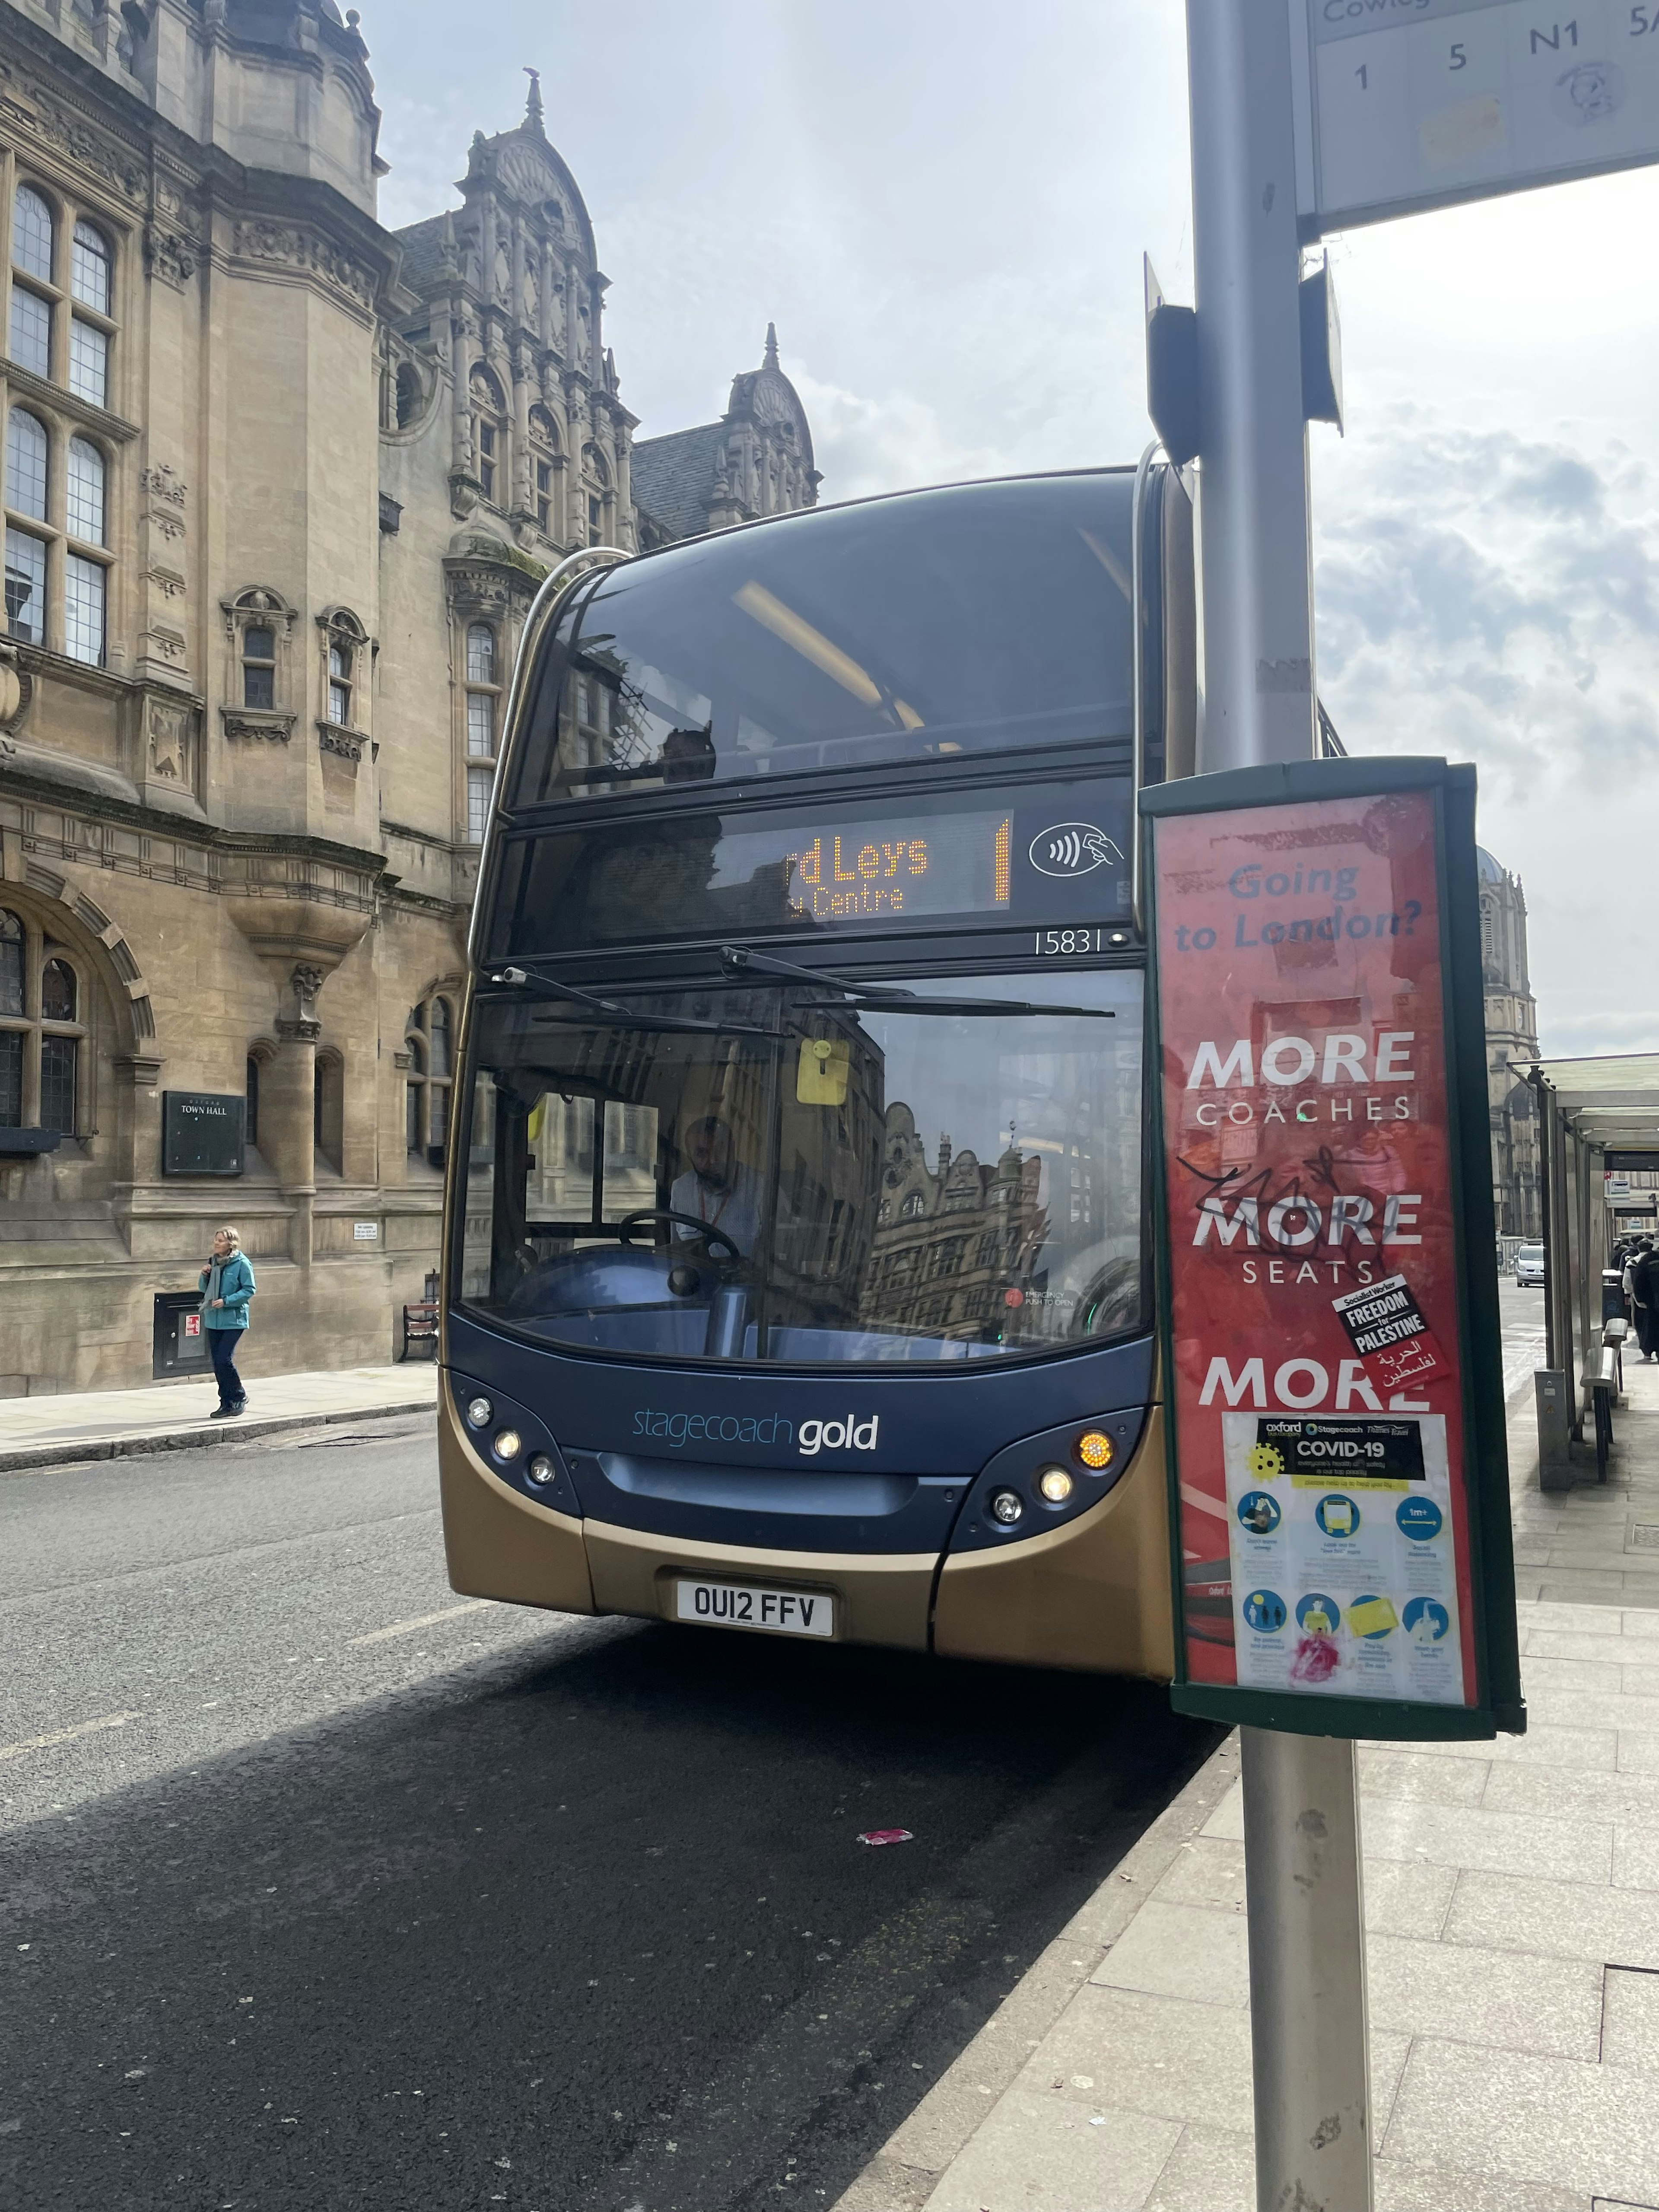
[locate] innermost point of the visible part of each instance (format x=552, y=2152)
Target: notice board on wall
x=1339, y=1490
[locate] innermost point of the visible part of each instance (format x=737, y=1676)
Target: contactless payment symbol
x=1071, y=848
x=1265, y=1610
x=1317, y=1614
x=1372, y=1616
x=1259, y=1512
x=1419, y=1518
x=1427, y=1620
x=1337, y=1516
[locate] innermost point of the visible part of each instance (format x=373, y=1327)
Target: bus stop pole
x=1313, y=2146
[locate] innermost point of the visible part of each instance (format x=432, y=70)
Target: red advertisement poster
x=1324, y=1513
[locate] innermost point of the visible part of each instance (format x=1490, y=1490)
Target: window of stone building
x=543, y=449
x=482, y=693
x=595, y=486
x=27, y=450
x=251, y=1109
x=26, y=586
x=409, y=394
x=84, y=603
x=34, y=235
x=41, y=1030
x=260, y=666
x=57, y=476
x=89, y=268
x=345, y=641
x=480, y=781
x=34, y=251
x=429, y=1044
x=490, y=428
x=86, y=492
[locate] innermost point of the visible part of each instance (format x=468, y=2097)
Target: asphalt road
x=322, y=1887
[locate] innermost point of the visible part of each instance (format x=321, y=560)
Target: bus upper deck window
x=975, y=619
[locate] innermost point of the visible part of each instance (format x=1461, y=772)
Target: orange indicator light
x=1094, y=1450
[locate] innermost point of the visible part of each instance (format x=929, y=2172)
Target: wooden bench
x=420, y=1326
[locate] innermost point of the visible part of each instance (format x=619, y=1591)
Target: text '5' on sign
x=1404, y=105
x=1339, y=1485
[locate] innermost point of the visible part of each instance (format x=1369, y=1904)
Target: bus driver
x=717, y=1189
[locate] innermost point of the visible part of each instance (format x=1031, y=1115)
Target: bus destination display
x=1054, y=855
x=1313, y=1254
x=958, y=865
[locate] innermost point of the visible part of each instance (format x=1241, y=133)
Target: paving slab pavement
x=98, y=1425
x=1512, y=1919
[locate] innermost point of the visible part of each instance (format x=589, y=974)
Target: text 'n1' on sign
x=1405, y=104
x=1328, y=1295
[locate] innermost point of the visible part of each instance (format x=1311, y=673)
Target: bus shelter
x=1596, y=1116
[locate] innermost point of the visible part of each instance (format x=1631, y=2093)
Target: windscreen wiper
x=739, y=960
x=611, y=1011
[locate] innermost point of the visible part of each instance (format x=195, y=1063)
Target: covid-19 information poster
x=1339, y=1489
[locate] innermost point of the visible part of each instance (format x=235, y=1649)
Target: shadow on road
x=585, y=1926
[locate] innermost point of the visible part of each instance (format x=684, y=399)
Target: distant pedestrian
x=1645, y=1289
x=227, y=1285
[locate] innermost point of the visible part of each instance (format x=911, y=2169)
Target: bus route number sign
x=1325, y=1486
x=1410, y=104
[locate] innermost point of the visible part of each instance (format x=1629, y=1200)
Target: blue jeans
x=222, y=1344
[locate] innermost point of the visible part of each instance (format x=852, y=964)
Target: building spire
x=532, y=107
x=771, y=361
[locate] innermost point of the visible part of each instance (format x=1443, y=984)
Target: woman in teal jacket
x=227, y=1285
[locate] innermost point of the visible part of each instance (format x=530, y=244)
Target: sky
x=943, y=205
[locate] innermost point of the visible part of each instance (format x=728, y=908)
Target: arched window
x=251, y=1110
x=345, y=642
x=259, y=630
x=482, y=691
x=428, y=1042
x=89, y=267
x=40, y=1030
x=26, y=448
x=596, y=483
x=33, y=234
x=86, y=492
x=543, y=450
x=409, y=394
x=489, y=426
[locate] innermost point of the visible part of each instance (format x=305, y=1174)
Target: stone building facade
x=1511, y=1035
x=280, y=487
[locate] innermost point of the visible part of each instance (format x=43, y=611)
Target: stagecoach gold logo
x=850, y=1433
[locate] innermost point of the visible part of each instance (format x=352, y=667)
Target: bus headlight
x=541, y=1470
x=1095, y=1449
x=1055, y=1485
x=1006, y=1507
x=478, y=1412
x=508, y=1443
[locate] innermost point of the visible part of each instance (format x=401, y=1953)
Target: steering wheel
x=706, y=1230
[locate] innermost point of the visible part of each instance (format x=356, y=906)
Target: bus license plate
x=744, y=1605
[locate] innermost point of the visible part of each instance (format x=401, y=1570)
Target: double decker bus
x=797, y=1276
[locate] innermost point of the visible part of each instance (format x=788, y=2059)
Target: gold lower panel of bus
x=1094, y=1595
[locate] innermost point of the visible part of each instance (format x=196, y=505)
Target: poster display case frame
x=1492, y=1702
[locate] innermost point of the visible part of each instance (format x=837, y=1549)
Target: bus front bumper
x=1094, y=1595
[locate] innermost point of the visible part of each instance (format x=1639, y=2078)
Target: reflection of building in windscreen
x=956, y=1243
x=560, y=1178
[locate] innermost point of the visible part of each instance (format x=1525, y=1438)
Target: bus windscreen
x=969, y=620
x=787, y=1178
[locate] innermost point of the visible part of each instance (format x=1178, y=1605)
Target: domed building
x=1511, y=1035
